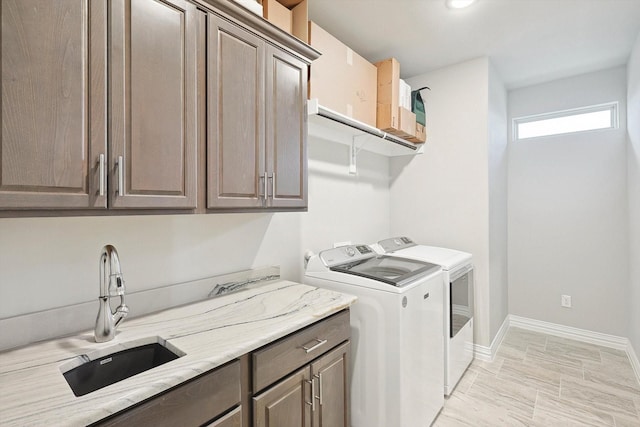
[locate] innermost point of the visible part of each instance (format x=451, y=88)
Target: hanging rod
x=315, y=108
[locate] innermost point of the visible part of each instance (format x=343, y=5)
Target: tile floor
x=543, y=380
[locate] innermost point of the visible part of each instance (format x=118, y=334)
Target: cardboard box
x=288, y=15
x=421, y=132
x=341, y=79
x=420, y=135
x=393, y=114
x=406, y=124
x=385, y=111
x=406, y=121
x=388, y=78
x=404, y=97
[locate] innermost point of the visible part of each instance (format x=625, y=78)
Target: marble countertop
x=209, y=333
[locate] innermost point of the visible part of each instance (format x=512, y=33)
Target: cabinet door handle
x=101, y=173
x=318, y=344
x=273, y=185
x=266, y=185
x=120, y=165
x=313, y=394
x=319, y=396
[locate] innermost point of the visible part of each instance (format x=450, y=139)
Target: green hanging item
x=417, y=106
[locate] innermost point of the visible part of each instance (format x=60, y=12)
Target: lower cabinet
x=316, y=395
x=195, y=403
x=301, y=380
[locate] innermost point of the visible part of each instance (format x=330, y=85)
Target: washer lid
x=404, y=247
x=391, y=270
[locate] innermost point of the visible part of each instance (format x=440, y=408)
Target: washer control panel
x=345, y=254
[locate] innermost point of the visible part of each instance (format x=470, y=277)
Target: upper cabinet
x=150, y=104
x=53, y=146
x=286, y=138
x=235, y=137
x=257, y=136
x=153, y=66
x=57, y=104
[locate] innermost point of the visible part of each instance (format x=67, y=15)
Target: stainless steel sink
x=111, y=368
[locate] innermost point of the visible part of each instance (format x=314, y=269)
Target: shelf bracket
x=353, y=154
x=353, y=157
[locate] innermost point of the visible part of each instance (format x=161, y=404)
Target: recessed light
x=459, y=4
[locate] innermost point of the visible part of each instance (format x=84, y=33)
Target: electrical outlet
x=565, y=301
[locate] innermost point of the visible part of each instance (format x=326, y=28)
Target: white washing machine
x=396, y=333
x=457, y=267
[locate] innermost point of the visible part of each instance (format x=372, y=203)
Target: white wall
x=53, y=262
x=345, y=207
x=633, y=182
x=568, y=210
x=442, y=197
x=497, y=139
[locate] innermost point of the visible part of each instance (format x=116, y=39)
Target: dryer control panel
x=344, y=254
x=396, y=243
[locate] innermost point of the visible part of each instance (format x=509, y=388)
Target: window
x=596, y=117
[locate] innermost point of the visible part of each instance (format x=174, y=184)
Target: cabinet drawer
x=232, y=419
x=191, y=404
x=282, y=357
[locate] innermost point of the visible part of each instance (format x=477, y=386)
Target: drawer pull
x=319, y=343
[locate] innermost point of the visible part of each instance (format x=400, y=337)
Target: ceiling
x=528, y=41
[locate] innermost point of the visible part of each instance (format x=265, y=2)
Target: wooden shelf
x=332, y=126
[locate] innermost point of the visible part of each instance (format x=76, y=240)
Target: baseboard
x=482, y=352
x=597, y=338
x=633, y=358
x=487, y=354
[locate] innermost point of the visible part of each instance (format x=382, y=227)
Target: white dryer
x=457, y=267
x=396, y=333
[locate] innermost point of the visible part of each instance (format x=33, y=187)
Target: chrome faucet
x=111, y=285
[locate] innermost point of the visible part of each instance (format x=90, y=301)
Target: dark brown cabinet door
x=153, y=67
x=332, y=400
x=235, y=141
x=286, y=124
x=53, y=104
x=285, y=404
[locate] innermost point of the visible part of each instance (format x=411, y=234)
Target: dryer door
x=461, y=302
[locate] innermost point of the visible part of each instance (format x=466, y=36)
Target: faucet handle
x=116, y=285
x=121, y=312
